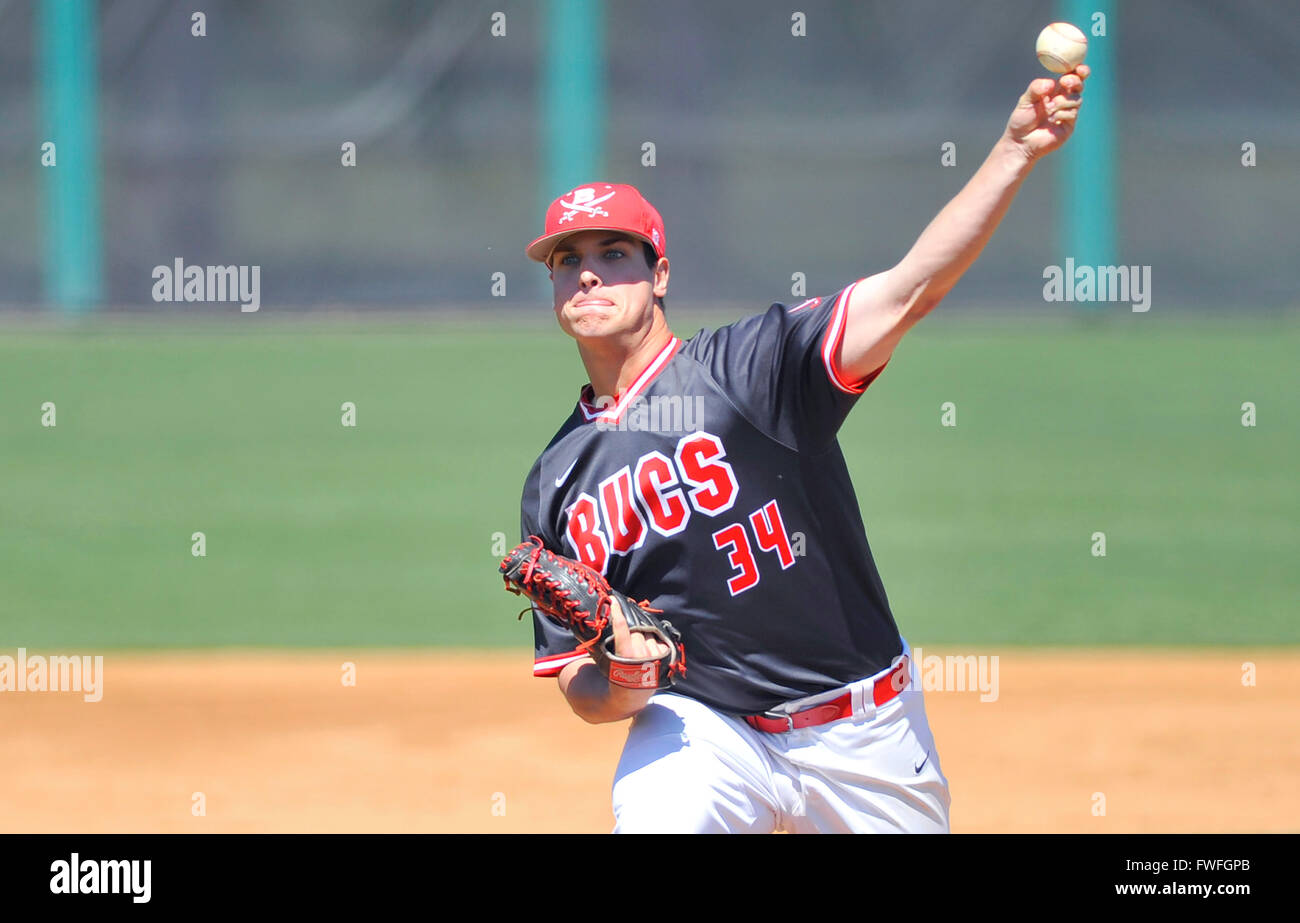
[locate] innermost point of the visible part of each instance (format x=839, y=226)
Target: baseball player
x=704, y=476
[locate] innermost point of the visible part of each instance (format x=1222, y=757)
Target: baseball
x=1061, y=47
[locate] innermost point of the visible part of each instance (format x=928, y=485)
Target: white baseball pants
x=688, y=769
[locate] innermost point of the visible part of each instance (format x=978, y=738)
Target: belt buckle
x=781, y=715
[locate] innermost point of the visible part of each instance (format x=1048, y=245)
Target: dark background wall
x=775, y=154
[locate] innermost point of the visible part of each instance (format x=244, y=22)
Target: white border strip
x=550, y=666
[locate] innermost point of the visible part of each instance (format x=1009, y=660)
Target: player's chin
x=591, y=323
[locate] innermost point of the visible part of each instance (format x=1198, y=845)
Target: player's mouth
x=592, y=310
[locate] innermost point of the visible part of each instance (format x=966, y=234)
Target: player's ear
x=661, y=277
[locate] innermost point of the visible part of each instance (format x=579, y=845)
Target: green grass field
x=321, y=535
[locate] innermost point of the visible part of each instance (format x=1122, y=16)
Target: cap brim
x=542, y=248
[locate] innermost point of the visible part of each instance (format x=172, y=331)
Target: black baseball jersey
x=715, y=488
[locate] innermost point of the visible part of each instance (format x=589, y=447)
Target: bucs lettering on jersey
x=715, y=488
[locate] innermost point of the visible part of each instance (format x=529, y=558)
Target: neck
x=613, y=365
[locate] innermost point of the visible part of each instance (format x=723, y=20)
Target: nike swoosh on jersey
x=559, y=482
x=917, y=769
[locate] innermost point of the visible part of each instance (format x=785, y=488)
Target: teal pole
x=73, y=255
x=1087, y=174
x=573, y=95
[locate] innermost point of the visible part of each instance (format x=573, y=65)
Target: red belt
x=884, y=689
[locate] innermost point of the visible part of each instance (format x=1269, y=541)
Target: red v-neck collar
x=591, y=412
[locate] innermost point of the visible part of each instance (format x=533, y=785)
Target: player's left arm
x=885, y=306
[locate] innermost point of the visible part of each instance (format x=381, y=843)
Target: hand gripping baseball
x=580, y=600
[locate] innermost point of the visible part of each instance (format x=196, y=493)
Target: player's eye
x=572, y=259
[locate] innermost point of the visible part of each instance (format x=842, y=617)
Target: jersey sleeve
x=779, y=369
x=553, y=647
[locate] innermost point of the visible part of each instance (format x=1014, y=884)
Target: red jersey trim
x=612, y=414
x=831, y=344
x=552, y=665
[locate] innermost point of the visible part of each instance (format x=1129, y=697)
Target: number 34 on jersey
x=662, y=494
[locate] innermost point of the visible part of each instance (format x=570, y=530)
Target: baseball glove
x=579, y=599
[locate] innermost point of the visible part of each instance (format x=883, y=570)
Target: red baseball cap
x=599, y=207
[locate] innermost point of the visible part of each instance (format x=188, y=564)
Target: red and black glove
x=579, y=599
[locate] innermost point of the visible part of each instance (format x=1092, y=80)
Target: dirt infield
x=468, y=742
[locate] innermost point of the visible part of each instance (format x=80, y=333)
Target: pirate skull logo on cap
x=600, y=207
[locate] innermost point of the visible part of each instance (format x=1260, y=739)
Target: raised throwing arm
x=885, y=306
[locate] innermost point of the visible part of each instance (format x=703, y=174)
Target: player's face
x=603, y=286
